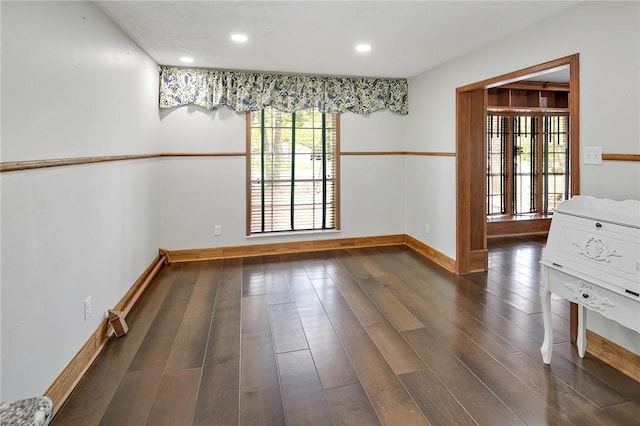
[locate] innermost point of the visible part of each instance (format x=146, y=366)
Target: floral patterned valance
x=249, y=91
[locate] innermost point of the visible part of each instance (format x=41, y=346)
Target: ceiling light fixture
x=363, y=48
x=240, y=38
x=186, y=59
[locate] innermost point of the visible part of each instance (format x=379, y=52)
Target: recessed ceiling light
x=363, y=48
x=240, y=38
x=186, y=59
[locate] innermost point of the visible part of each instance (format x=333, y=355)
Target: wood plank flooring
x=353, y=337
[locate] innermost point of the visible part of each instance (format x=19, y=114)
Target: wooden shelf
x=529, y=99
x=550, y=99
x=507, y=109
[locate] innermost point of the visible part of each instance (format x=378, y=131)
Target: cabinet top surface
x=626, y=213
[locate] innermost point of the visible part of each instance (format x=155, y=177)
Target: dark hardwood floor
x=353, y=337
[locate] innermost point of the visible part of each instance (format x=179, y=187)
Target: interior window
x=527, y=163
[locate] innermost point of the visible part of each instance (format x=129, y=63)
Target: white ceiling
x=318, y=37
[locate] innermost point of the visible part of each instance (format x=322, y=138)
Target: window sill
x=293, y=233
x=518, y=217
x=518, y=225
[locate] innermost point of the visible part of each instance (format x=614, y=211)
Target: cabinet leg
x=581, y=341
x=547, y=344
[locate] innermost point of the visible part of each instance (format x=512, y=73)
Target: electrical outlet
x=217, y=230
x=87, y=308
x=593, y=155
x=427, y=228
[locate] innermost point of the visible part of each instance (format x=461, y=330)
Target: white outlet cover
x=87, y=307
x=593, y=155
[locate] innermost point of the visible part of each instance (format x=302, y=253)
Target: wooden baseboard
x=615, y=355
x=66, y=382
x=193, y=255
x=131, y=297
x=282, y=248
x=432, y=254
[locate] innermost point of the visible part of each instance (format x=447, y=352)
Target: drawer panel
x=624, y=309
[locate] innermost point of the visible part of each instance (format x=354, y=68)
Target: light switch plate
x=593, y=155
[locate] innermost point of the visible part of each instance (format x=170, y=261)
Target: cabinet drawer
x=622, y=308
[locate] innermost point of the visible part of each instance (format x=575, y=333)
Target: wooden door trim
x=471, y=227
x=522, y=74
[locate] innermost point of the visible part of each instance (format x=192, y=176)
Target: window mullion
x=533, y=159
x=509, y=177
x=533, y=190
x=262, y=160
x=514, y=183
x=504, y=168
x=293, y=168
x=547, y=138
x=545, y=165
x=324, y=171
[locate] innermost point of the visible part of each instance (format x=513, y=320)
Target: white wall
x=607, y=37
x=199, y=193
x=372, y=196
x=72, y=85
x=431, y=200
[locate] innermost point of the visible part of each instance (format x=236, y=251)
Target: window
x=527, y=163
x=293, y=171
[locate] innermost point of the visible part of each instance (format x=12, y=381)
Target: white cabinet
x=592, y=258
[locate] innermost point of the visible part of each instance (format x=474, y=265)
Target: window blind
x=293, y=170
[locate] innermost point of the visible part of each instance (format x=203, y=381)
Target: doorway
x=471, y=164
